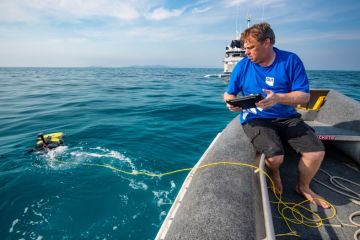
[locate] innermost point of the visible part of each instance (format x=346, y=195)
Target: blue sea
x=134, y=119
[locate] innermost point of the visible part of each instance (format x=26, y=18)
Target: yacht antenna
x=236, y=24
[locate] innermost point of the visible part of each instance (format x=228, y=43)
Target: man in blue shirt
x=280, y=77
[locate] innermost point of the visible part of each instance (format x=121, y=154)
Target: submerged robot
x=46, y=142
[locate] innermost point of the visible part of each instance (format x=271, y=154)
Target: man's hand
x=270, y=100
x=229, y=106
x=291, y=98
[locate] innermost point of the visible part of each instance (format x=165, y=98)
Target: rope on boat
x=345, y=191
x=291, y=213
x=340, y=188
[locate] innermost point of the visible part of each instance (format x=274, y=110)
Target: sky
x=325, y=34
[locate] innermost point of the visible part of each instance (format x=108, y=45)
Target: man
x=281, y=79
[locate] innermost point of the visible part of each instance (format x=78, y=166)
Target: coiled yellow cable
x=299, y=214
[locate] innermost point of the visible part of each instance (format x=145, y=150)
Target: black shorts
x=267, y=135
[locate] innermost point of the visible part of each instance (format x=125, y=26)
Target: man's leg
x=308, y=166
x=273, y=163
x=303, y=140
x=265, y=138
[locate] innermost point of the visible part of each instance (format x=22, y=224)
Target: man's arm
x=292, y=98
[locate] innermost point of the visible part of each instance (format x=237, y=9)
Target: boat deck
x=339, y=227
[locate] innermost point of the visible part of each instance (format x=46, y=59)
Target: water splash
x=163, y=197
x=63, y=158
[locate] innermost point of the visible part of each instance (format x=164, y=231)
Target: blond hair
x=260, y=32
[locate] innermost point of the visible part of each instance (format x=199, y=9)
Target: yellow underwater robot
x=45, y=142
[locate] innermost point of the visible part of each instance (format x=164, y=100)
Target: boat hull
x=222, y=201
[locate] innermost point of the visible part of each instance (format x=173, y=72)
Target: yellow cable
x=298, y=216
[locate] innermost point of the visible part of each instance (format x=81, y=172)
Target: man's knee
x=317, y=156
x=275, y=160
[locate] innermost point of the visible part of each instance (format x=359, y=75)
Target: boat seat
x=332, y=133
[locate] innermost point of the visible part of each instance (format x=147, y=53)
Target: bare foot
x=312, y=197
x=275, y=177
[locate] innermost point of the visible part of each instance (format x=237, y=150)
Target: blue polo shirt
x=284, y=75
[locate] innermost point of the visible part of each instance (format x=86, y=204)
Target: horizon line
x=155, y=66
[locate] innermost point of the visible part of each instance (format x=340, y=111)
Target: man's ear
x=267, y=42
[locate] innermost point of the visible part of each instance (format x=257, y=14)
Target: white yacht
x=234, y=52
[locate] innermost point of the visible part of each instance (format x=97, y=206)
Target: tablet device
x=245, y=101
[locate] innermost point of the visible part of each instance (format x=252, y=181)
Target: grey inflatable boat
x=230, y=198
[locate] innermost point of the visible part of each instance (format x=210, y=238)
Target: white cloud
x=162, y=13
x=13, y=11
x=201, y=10
x=235, y=2
x=18, y=10
x=247, y=3
x=321, y=37
x=154, y=34
x=72, y=10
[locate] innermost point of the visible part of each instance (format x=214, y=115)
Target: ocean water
x=135, y=119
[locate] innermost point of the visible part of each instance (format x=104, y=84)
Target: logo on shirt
x=246, y=112
x=270, y=81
